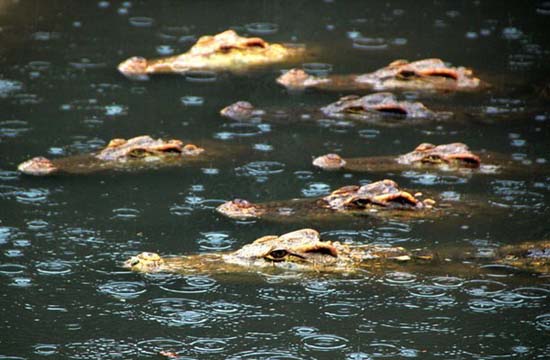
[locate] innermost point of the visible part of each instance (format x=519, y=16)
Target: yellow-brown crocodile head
x=298, y=79
x=145, y=147
x=145, y=262
x=241, y=111
x=298, y=250
x=240, y=209
x=426, y=74
x=377, y=195
x=376, y=105
x=454, y=155
x=37, y=166
x=224, y=51
x=329, y=162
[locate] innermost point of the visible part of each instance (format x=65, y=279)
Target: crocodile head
x=427, y=74
x=455, y=154
x=240, y=111
x=329, y=162
x=298, y=79
x=145, y=262
x=376, y=195
x=145, y=147
x=375, y=105
x=301, y=249
x=224, y=51
x=240, y=209
x=297, y=250
x=37, y=166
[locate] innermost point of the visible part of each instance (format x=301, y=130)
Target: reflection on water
x=62, y=239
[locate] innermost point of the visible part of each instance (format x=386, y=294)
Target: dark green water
x=63, y=294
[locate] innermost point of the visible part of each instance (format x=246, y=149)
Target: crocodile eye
x=137, y=153
x=134, y=261
x=277, y=255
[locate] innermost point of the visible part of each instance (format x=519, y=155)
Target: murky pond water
x=63, y=238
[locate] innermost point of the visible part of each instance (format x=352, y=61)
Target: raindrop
x=448, y=281
x=260, y=28
x=427, y=291
x=125, y=213
x=123, y=289
x=483, y=287
x=316, y=189
x=11, y=269
x=367, y=43
x=192, y=100
x=317, y=69
x=543, y=321
x=45, y=349
x=200, y=76
x=481, y=306
x=141, y=21
x=208, y=345
x=165, y=50
x=532, y=293
x=325, y=342
x=191, y=284
x=156, y=346
x=341, y=310
x=9, y=86
x=400, y=278
x=54, y=267
x=383, y=350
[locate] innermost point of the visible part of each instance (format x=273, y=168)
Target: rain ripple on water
x=190, y=284
x=100, y=348
x=123, y=289
x=260, y=169
x=215, y=241
x=175, y=311
x=32, y=196
x=325, y=342
x=7, y=87
x=54, y=267
x=13, y=128
x=515, y=194
x=158, y=345
x=241, y=129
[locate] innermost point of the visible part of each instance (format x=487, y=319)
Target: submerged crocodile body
x=136, y=153
x=455, y=157
x=305, y=251
x=381, y=199
x=421, y=75
x=377, y=109
x=225, y=51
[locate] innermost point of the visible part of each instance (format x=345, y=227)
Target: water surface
x=63, y=238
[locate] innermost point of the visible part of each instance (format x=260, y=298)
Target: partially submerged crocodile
x=379, y=108
x=135, y=153
x=446, y=157
x=225, y=51
x=422, y=75
x=381, y=198
x=305, y=251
